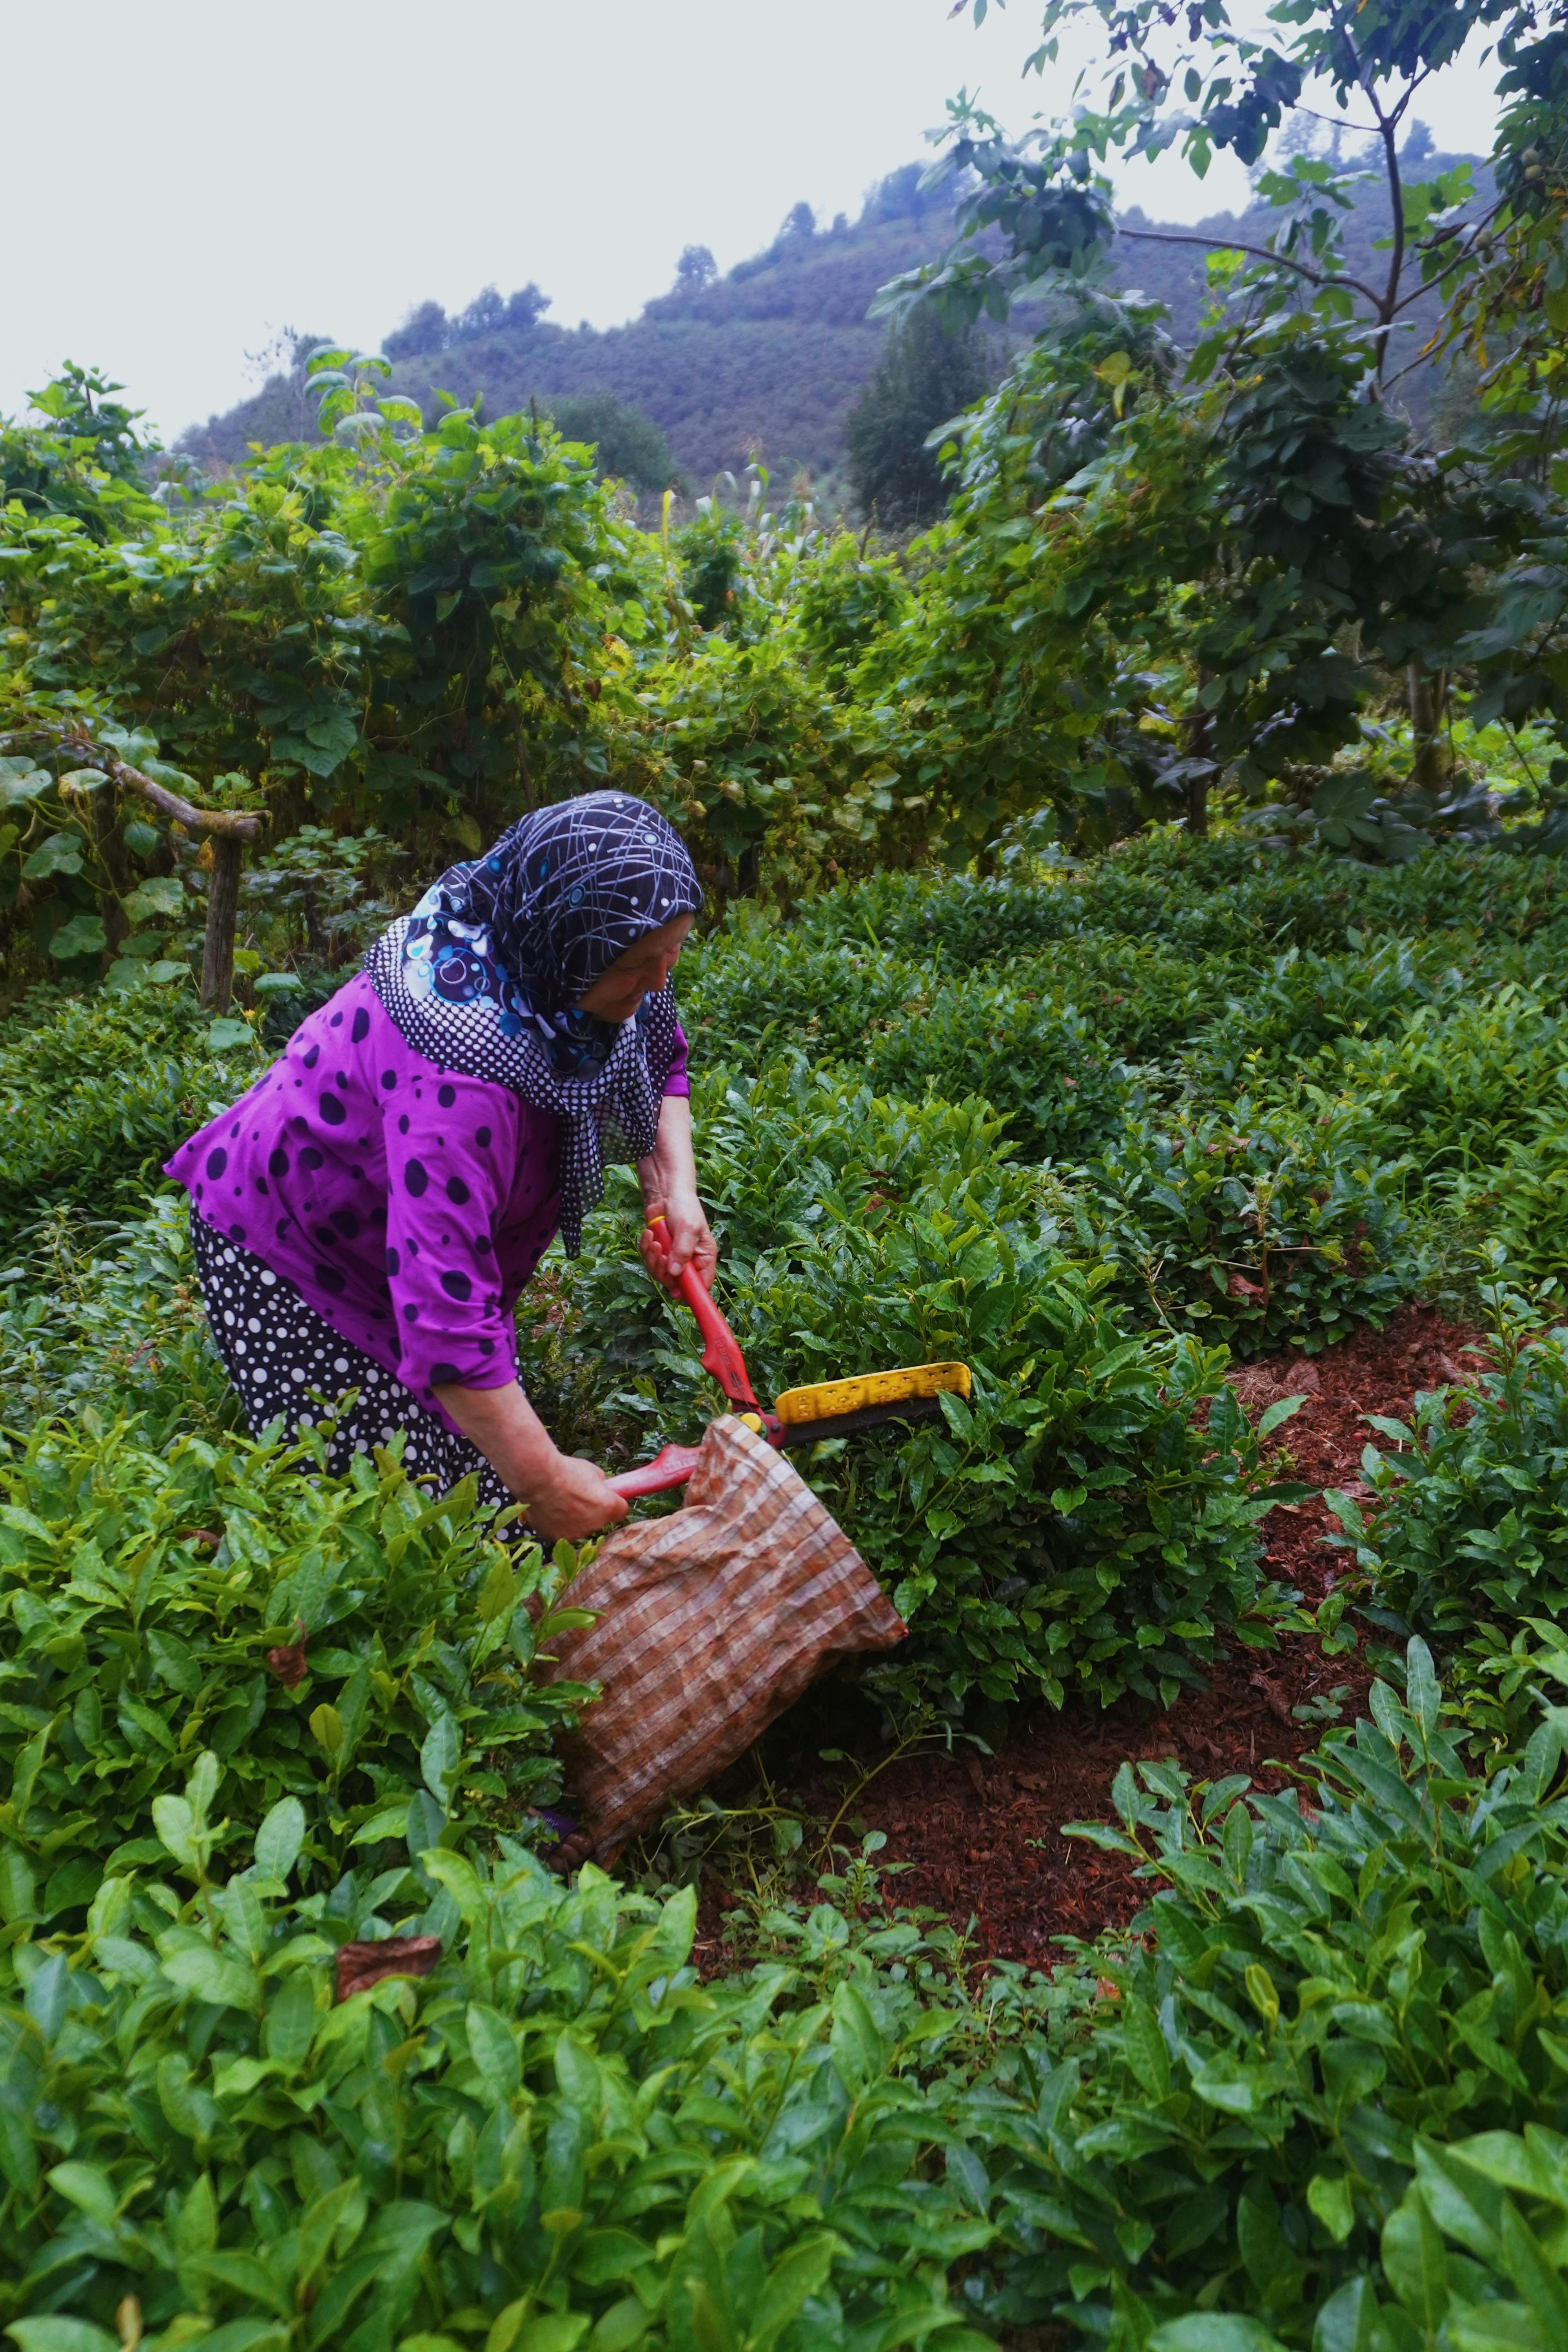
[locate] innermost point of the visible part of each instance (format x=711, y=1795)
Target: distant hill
x=766, y=361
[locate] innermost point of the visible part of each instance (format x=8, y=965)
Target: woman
x=365, y=1217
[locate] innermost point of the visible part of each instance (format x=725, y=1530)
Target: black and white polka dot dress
x=289, y=1365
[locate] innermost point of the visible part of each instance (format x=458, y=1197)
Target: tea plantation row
x=1082, y=1133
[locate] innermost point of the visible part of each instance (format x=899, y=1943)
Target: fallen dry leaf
x=288, y=1662
x=363, y=1965
x=1273, y=1697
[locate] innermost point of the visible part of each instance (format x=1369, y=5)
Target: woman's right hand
x=575, y=1500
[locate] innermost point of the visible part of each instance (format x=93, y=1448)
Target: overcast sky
x=187, y=179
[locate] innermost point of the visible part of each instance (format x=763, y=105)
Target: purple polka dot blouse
x=407, y=1204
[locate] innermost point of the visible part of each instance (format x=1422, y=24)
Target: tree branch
x=241, y=825
x=1387, y=126
x=1261, y=252
x=1449, y=266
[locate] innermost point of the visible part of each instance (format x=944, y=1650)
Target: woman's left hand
x=683, y=1238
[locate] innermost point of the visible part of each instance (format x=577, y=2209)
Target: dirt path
x=983, y=1835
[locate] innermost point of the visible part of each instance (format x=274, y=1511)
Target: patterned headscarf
x=486, y=973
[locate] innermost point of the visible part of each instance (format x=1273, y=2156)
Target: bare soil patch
x=982, y=1836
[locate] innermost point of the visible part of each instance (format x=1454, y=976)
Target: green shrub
x=1040, y=1061
x=143, y=1591
x=111, y=1314
x=1217, y=895
x=1255, y=1224
x=96, y=1091
x=1326, y=2004
x=1088, y=1523
x=1083, y=1526
x=559, y=2131
x=757, y=986
x=997, y=1031
x=1520, y=1201
x=1283, y=1011
x=844, y=601
x=1499, y=2201
x=1468, y=1523
x=1461, y=1087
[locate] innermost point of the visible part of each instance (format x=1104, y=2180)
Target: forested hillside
x=767, y=360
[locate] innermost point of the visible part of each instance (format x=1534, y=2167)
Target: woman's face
x=645, y=965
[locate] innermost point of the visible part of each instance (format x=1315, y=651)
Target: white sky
x=202, y=176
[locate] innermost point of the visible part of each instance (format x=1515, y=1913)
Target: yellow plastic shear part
x=830, y=1398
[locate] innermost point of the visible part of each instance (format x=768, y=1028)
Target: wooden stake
x=223, y=907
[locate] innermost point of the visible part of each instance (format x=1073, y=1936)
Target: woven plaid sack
x=708, y=1624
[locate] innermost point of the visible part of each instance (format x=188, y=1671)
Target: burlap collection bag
x=708, y=1624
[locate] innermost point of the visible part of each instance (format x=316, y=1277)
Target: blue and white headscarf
x=486, y=974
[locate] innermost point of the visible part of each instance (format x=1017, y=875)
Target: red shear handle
x=673, y=1467
x=721, y=1356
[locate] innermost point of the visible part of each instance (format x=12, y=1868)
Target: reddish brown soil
x=982, y=1835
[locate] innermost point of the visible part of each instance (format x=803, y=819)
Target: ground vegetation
x=1132, y=963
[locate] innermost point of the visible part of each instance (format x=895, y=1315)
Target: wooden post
x=223, y=906
x=229, y=830
x=108, y=837
x=1429, y=691
x=1195, y=788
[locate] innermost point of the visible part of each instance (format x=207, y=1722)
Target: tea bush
x=755, y=984
x=96, y=1091
x=1464, y=1087
x=1467, y=1524
x=1090, y=1522
x=1258, y=1225
x=1035, y=1057
x=1498, y=2200
x=109, y=1312
x=348, y=1643
x=558, y=2139
x=1335, y=2015
x=1521, y=1198
x=1218, y=894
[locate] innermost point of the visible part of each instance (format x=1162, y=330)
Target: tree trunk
x=1428, y=693
x=1200, y=729
x=318, y=939
x=222, y=908
x=108, y=835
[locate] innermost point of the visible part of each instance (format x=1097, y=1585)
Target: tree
x=903, y=194
x=799, y=220
x=929, y=373
x=484, y=314
x=426, y=329
x=629, y=445
x=86, y=444
x=1328, y=539
x=526, y=307
x=695, y=269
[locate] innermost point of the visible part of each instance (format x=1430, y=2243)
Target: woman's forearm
x=669, y=1174
x=669, y=1177
x=564, y=1495
x=506, y=1431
